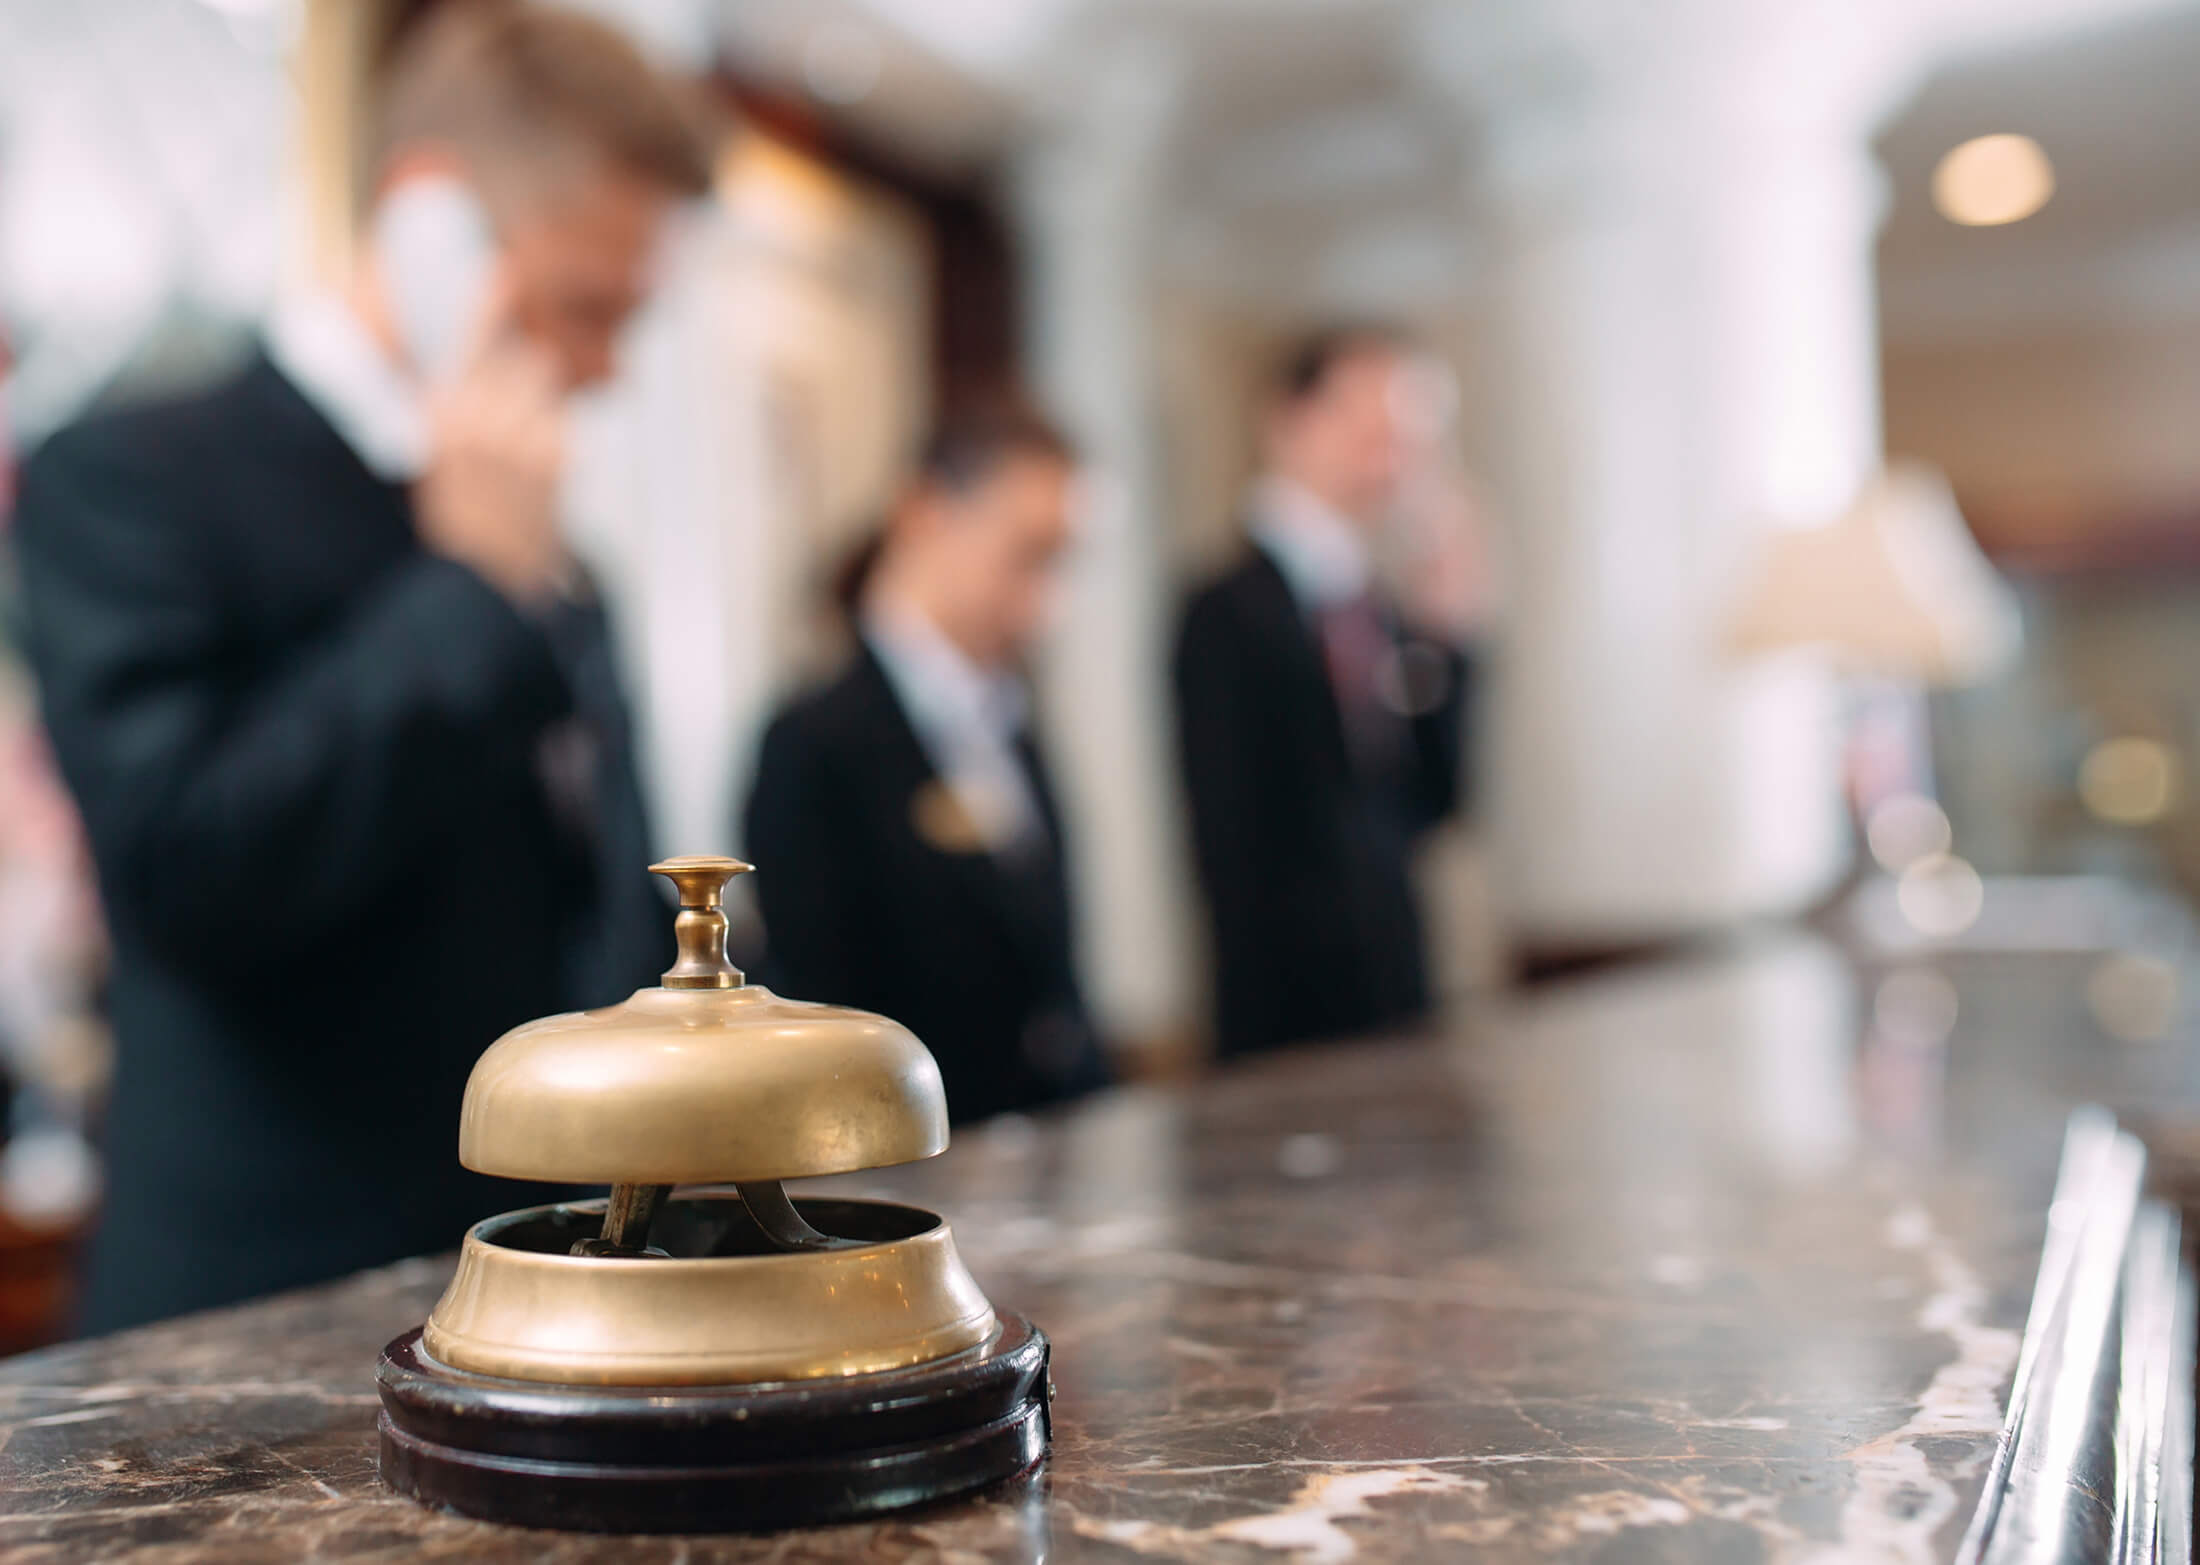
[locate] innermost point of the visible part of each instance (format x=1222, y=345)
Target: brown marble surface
x=1724, y=1259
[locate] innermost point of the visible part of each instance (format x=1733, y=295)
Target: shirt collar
x=1322, y=555
x=322, y=348
x=941, y=689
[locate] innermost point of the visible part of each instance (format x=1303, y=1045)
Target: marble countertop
x=1721, y=1259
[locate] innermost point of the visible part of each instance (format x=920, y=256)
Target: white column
x=1683, y=355
x=1086, y=191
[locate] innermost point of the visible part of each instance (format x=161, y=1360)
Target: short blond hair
x=503, y=82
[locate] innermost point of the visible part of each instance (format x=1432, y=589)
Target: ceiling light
x=1993, y=179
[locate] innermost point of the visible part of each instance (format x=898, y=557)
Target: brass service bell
x=701, y=1352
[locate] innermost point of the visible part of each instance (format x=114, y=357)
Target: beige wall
x=827, y=281
x=2056, y=429
x=1209, y=365
x=767, y=400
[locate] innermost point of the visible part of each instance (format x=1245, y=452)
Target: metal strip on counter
x=2094, y=1462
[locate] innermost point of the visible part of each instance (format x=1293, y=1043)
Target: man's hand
x=496, y=433
x=1449, y=586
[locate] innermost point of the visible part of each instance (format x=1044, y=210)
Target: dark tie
x=1358, y=650
x=577, y=759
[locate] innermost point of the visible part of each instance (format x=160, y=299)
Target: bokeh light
x=1940, y=896
x=2129, y=781
x=1905, y=828
x=1991, y=180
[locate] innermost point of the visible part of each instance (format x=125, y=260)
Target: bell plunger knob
x=700, y=929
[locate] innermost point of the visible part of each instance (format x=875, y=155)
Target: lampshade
x=1897, y=586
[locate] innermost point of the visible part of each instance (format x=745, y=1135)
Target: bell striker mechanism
x=700, y=1351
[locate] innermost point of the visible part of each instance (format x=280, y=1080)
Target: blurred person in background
x=54, y=1053
x=334, y=700
x=1319, y=720
x=911, y=851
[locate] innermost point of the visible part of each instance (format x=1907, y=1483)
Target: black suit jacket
x=307, y=752
x=868, y=901
x=1303, y=848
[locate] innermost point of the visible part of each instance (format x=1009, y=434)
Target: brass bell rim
x=538, y=1316
x=1001, y=1330
x=670, y=1370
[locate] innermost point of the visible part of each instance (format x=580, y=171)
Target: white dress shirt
x=967, y=718
x=334, y=361
x=1323, y=554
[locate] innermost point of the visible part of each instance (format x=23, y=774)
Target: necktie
x=579, y=760
x=1357, y=648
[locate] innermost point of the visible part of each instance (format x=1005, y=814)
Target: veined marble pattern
x=1677, y=1264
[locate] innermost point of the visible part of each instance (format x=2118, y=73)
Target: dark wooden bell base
x=712, y=1458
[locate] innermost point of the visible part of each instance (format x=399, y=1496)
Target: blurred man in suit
x=1320, y=735
x=336, y=704
x=910, y=853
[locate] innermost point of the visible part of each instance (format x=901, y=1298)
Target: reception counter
x=1728, y=1258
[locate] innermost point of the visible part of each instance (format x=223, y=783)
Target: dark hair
x=966, y=447
x=1307, y=366
x=969, y=444
x=499, y=79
